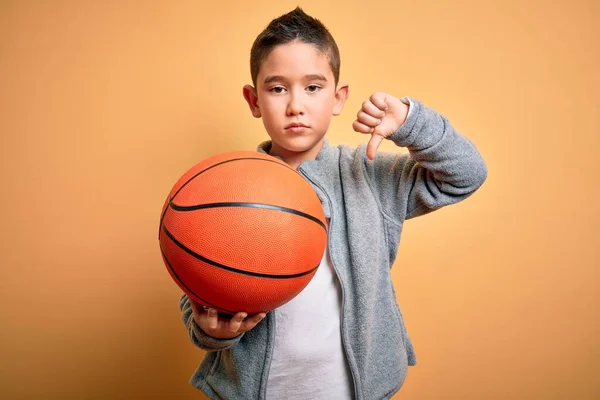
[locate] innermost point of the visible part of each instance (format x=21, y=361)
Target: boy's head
x=294, y=26
x=295, y=66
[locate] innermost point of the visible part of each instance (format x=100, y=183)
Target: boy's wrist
x=406, y=103
x=404, y=135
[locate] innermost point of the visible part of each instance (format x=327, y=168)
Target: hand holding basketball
x=380, y=116
x=212, y=325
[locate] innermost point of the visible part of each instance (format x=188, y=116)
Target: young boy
x=343, y=336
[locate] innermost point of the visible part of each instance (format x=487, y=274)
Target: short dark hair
x=295, y=25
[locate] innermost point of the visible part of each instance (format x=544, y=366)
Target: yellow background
x=103, y=105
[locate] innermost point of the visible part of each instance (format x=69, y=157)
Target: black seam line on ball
x=225, y=267
x=225, y=162
x=251, y=205
x=187, y=287
x=216, y=165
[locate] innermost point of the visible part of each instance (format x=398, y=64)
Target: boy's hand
x=212, y=325
x=380, y=116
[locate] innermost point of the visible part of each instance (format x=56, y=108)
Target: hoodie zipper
x=352, y=372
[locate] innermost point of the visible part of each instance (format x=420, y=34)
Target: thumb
x=372, y=146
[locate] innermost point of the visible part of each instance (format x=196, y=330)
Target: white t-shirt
x=308, y=358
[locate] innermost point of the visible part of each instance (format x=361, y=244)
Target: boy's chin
x=298, y=145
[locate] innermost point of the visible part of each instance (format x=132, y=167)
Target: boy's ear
x=252, y=99
x=341, y=95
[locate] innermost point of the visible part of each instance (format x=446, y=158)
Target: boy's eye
x=277, y=89
x=313, y=88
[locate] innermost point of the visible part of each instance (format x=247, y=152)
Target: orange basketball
x=242, y=231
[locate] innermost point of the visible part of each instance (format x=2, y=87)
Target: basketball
x=242, y=232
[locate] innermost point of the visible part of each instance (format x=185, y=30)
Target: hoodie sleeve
x=442, y=167
x=197, y=335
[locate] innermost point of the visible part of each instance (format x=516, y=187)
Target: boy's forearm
x=443, y=168
x=432, y=142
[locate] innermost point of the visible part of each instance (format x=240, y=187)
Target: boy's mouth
x=296, y=125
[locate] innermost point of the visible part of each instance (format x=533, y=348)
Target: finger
x=198, y=313
x=379, y=100
x=370, y=108
x=362, y=128
x=196, y=307
x=251, y=322
x=212, y=318
x=367, y=119
x=236, y=321
x=373, y=145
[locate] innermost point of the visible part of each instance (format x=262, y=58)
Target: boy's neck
x=292, y=158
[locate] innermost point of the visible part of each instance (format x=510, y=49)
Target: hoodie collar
x=322, y=171
x=326, y=155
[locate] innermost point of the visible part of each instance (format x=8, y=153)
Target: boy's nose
x=295, y=106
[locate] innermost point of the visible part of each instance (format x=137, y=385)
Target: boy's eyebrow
x=310, y=77
x=273, y=78
x=316, y=77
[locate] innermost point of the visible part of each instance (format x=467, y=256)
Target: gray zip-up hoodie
x=367, y=203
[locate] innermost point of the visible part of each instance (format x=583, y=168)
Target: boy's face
x=296, y=97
